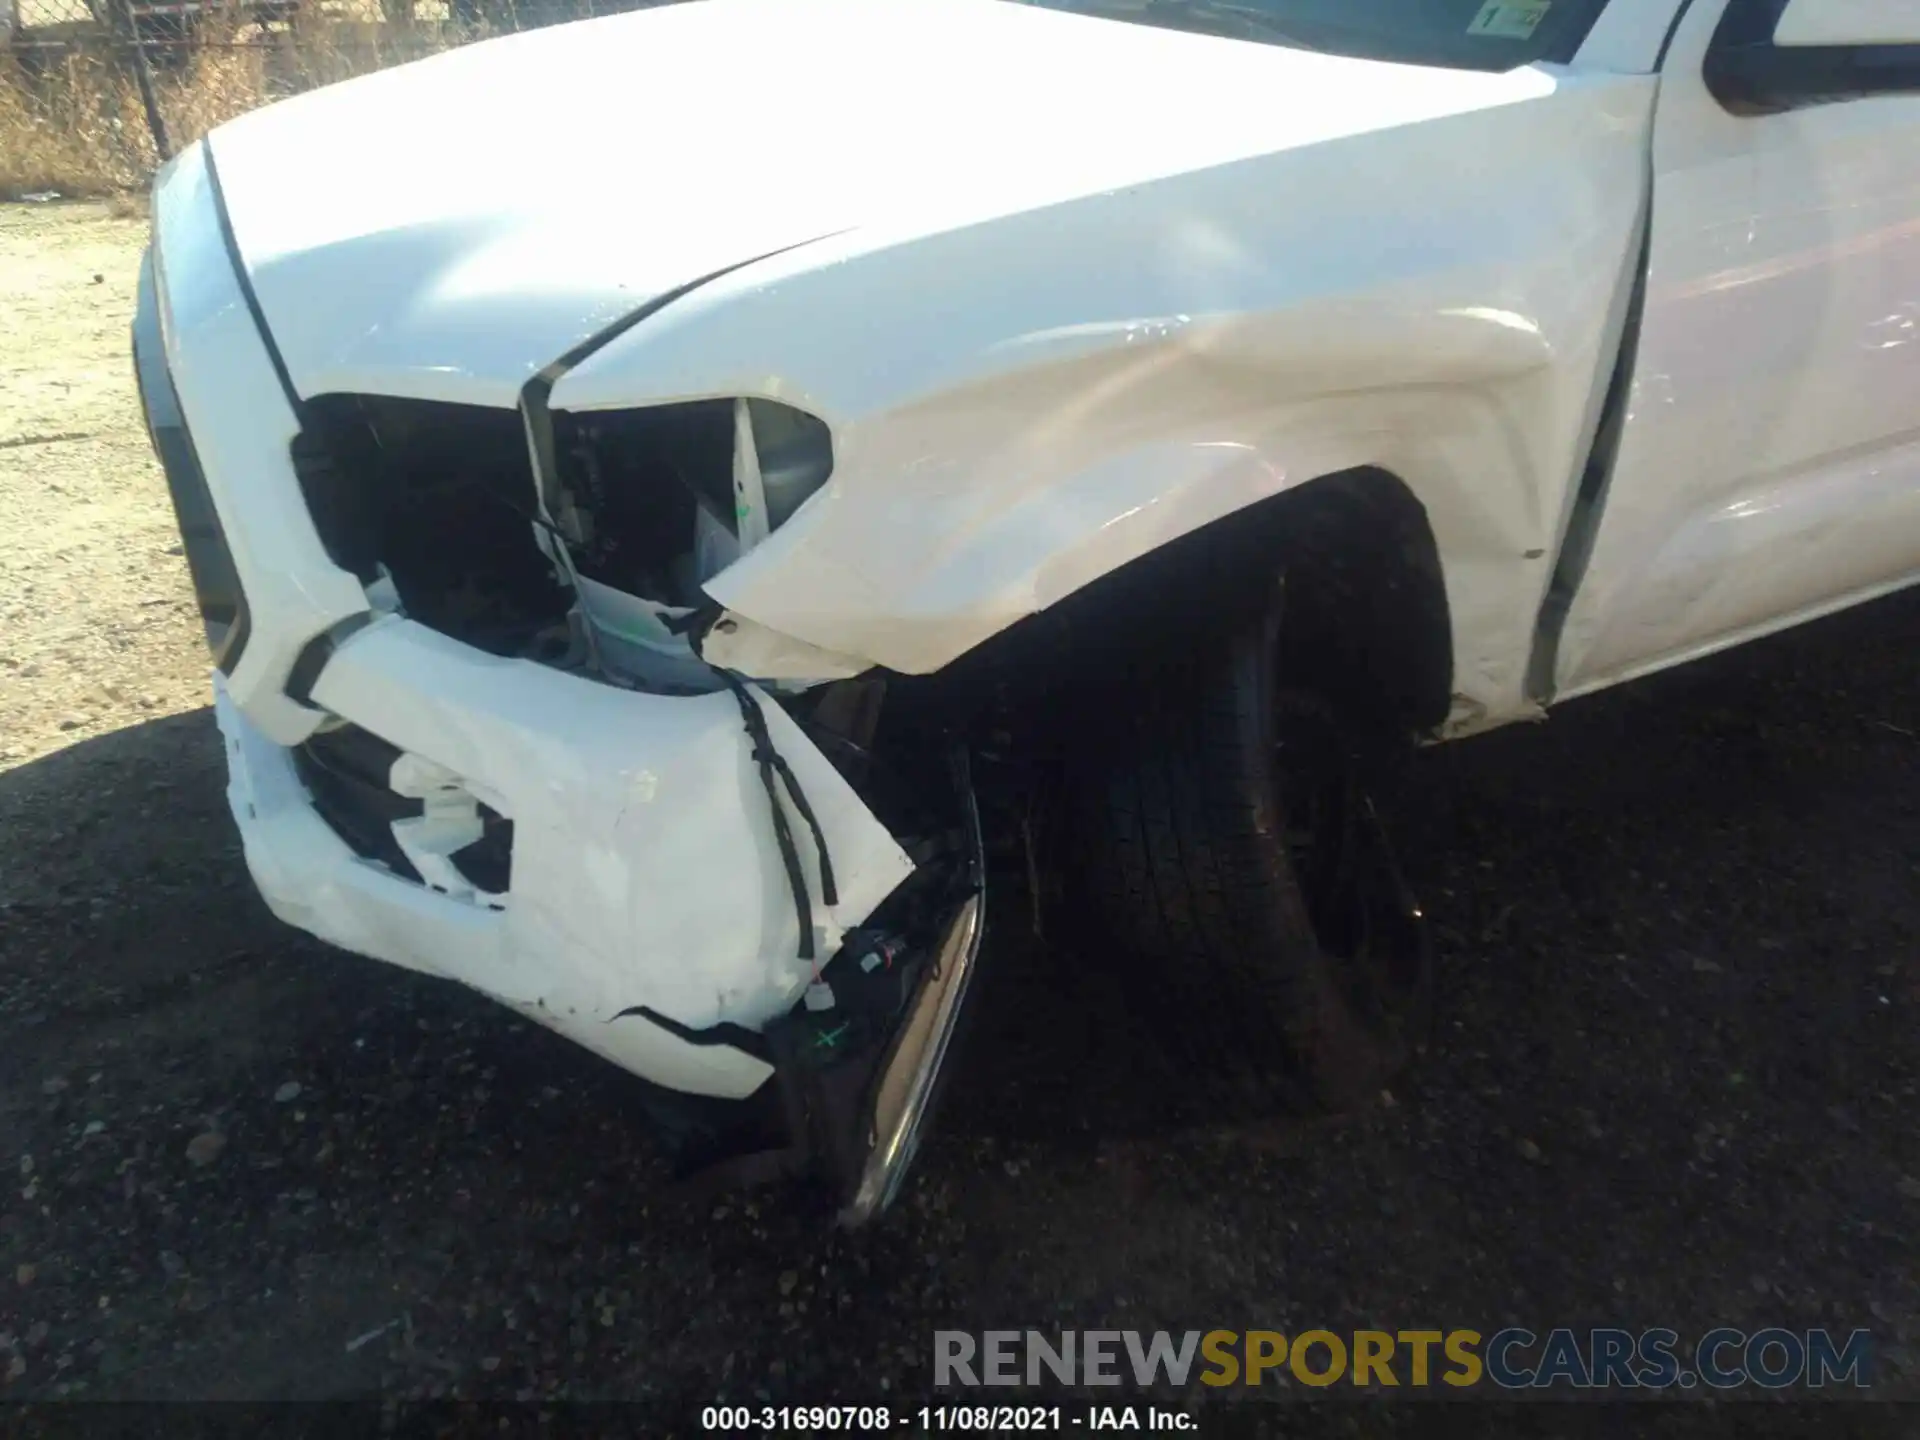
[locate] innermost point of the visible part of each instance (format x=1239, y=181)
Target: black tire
x=1240, y=874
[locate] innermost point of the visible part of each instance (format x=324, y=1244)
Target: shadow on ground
x=1673, y=1084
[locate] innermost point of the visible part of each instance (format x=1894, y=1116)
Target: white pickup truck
x=632, y=510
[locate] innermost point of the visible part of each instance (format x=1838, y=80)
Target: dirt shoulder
x=97, y=623
x=1673, y=1082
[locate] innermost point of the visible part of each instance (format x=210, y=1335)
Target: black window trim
x=1758, y=77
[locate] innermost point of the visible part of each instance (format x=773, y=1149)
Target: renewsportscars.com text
x=1512, y=1359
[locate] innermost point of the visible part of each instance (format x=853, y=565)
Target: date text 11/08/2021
x=991, y=1419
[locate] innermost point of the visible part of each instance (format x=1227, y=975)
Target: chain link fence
x=94, y=94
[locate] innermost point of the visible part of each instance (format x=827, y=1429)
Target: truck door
x=1768, y=468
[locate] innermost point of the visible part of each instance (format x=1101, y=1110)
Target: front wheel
x=1245, y=881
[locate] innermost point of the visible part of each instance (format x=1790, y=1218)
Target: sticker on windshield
x=1510, y=19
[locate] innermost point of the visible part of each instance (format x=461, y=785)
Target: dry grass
x=72, y=122
x=76, y=128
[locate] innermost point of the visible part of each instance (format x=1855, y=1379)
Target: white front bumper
x=644, y=873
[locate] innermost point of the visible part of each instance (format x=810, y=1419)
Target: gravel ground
x=1673, y=1080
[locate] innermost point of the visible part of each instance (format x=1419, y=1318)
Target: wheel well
x=1366, y=605
x=1367, y=612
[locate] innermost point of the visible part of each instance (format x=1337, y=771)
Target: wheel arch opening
x=1368, y=623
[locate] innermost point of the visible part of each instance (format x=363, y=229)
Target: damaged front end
x=585, y=551
x=518, y=767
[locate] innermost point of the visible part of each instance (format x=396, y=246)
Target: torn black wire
x=771, y=762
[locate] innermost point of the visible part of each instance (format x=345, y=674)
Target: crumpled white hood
x=446, y=229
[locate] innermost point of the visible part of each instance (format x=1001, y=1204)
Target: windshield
x=1460, y=34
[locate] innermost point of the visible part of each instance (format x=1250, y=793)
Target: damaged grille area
x=439, y=500
x=436, y=508
x=345, y=771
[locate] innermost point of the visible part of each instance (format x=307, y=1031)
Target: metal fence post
x=143, y=76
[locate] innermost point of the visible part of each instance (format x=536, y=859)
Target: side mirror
x=1819, y=23
x=1815, y=52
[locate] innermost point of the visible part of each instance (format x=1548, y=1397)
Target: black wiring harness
x=771, y=763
